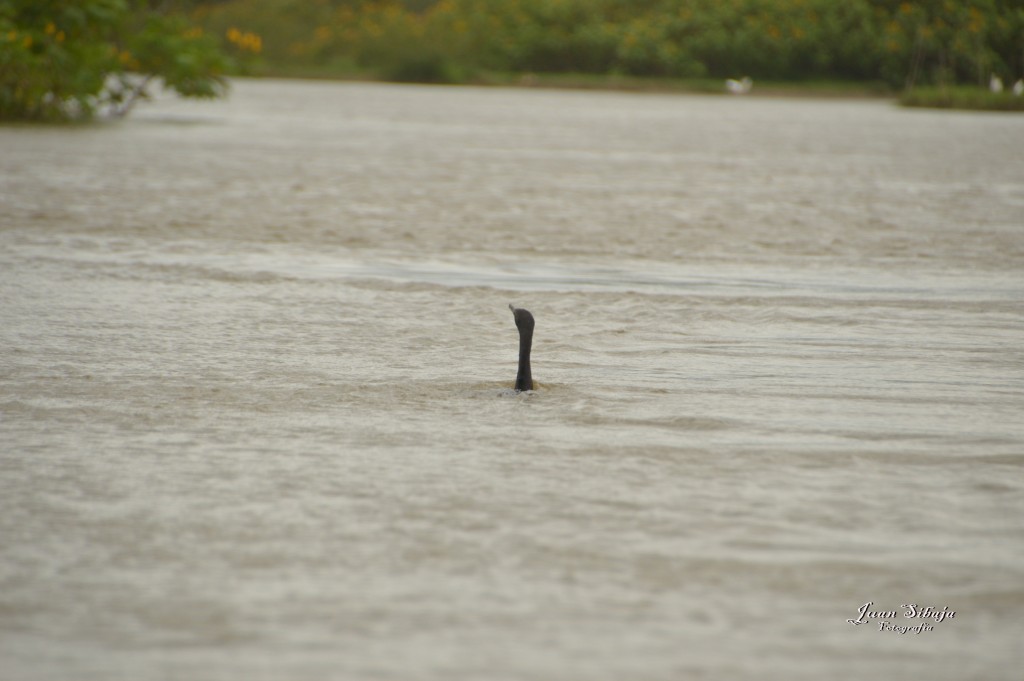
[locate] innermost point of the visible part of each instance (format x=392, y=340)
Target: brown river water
x=256, y=359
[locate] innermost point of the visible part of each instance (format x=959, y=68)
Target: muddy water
x=255, y=418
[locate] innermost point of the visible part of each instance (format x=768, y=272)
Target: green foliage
x=68, y=59
x=900, y=42
x=939, y=41
x=962, y=97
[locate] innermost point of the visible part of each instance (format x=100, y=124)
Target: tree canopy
x=901, y=42
x=69, y=59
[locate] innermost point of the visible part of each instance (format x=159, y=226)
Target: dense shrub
x=66, y=59
x=901, y=42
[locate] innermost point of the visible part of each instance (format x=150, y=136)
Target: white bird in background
x=1018, y=88
x=739, y=87
x=995, y=83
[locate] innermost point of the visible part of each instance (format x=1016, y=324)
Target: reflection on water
x=255, y=408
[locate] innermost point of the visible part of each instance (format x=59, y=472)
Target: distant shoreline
x=959, y=98
x=614, y=82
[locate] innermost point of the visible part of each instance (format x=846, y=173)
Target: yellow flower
x=245, y=41
x=50, y=28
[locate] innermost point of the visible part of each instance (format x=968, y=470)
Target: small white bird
x=995, y=83
x=1018, y=88
x=739, y=87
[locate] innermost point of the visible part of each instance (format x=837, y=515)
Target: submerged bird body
x=524, y=322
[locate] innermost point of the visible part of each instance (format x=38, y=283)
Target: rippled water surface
x=255, y=417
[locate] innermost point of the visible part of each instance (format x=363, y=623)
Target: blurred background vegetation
x=898, y=43
x=64, y=59
x=55, y=50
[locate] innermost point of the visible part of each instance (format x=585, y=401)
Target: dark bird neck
x=524, y=322
x=524, y=379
